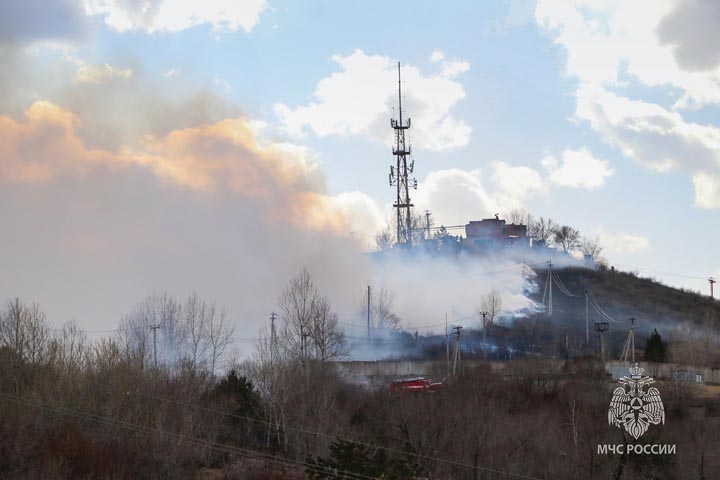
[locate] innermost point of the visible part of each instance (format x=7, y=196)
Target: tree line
x=540, y=229
x=72, y=408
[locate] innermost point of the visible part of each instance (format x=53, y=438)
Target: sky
x=218, y=147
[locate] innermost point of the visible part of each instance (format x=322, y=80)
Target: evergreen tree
x=348, y=458
x=655, y=348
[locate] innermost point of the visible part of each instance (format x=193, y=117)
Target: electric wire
x=333, y=437
x=314, y=433
x=561, y=285
x=596, y=306
x=663, y=272
x=184, y=438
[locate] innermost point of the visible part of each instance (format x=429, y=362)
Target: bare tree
x=518, y=216
x=384, y=239
x=382, y=316
x=275, y=374
x=567, y=238
x=195, y=315
x=541, y=230
x=327, y=338
x=591, y=246
x=297, y=303
x=529, y=329
x=309, y=325
x=166, y=312
x=135, y=335
x=219, y=333
x=490, y=306
x=72, y=346
x=418, y=230
x=491, y=303
x=24, y=330
x=106, y=354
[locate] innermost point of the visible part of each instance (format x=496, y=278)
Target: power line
x=185, y=438
x=304, y=431
x=663, y=272
x=596, y=306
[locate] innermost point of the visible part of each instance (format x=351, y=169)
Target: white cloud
x=656, y=137
x=456, y=196
x=360, y=98
x=577, y=169
x=453, y=68
x=707, y=190
x=437, y=56
x=606, y=39
x=514, y=184
x=622, y=243
x=175, y=15
x=100, y=73
x=612, y=43
x=172, y=72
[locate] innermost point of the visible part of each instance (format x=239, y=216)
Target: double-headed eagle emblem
x=632, y=407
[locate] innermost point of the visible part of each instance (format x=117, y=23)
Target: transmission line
x=309, y=432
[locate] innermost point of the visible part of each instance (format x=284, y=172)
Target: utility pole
x=447, y=345
x=712, y=284
x=601, y=328
x=302, y=341
x=628, y=351
x=427, y=224
x=273, y=338
x=484, y=317
x=154, y=329
x=587, y=318
x=399, y=174
x=550, y=277
x=304, y=359
x=632, y=333
x=368, y=319
x=457, y=348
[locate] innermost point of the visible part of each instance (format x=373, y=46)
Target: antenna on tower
x=399, y=174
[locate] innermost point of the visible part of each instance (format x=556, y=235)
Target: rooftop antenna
x=399, y=174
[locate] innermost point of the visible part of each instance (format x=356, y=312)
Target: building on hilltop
x=490, y=233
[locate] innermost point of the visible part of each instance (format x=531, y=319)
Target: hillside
x=683, y=319
x=623, y=295
x=678, y=315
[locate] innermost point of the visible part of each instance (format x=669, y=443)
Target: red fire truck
x=414, y=384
